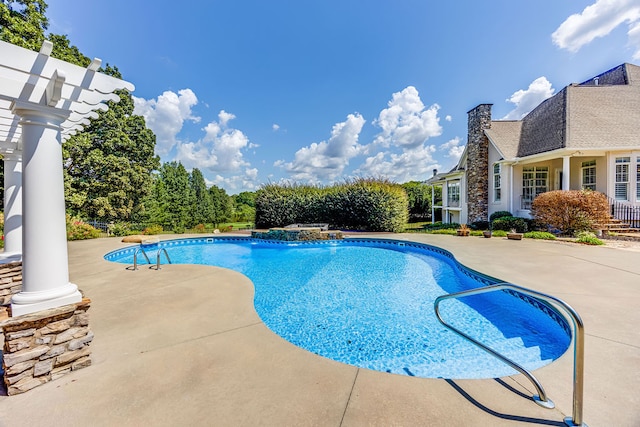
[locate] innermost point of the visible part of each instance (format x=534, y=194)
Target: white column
x=566, y=172
x=12, y=204
x=45, y=269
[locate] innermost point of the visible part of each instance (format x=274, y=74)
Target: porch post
x=12, y=204
x=566, y=172
x=433, y=209
x=45, y=270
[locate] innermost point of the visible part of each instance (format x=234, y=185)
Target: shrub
x=450, y=231
x=571, y=211
x=178, y=229
x=80, y=230
x=119, y=229
x=543, y=235
x=281, y=205
x=362, y=204
x=499, y=233
x=508, y=223
x=588, y=238
x=499, y=214
x=442, y=226
x=153, y=229
x=480, y=225
x=200, y=228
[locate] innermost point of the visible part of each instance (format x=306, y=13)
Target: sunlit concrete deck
x=184, y=346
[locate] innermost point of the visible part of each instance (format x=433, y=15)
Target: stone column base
x=46, y=345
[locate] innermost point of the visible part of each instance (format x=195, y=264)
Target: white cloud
x=448, y=118
x=326, y=160
x=526, y=100
x=453, y=148
x=166, y=116
x=407, y=122
x=275, y=127
x=225, y=117
x=413, y=164
x=246, y=181
x=221, y=149
x=634, y=39
x=598, y=20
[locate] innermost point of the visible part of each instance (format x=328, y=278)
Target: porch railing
x=626, y=213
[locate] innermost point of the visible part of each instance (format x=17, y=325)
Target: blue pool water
x=369, y=303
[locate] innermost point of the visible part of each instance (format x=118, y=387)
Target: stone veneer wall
x=479, y=119
x=10, y=281
x=43, y=346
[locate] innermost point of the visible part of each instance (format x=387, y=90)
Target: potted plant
x=513, y=235
x=487, y=233
x=463, y=230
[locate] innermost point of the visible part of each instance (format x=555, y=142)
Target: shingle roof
x=600, y=116
x=602, y=111
x=505, y=135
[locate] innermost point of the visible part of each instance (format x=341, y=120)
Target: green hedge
x=508, y=223
x=362, y=204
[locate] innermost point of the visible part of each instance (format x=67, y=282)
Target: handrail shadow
x=497, y=414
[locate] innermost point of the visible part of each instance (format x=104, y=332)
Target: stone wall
x=43, y=346
x=479, y=119
x=10, y=281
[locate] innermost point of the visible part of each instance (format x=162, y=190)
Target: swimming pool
x=369, y=303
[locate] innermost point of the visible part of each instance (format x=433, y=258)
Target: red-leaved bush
x=571, y=211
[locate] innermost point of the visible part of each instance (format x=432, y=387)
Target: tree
x=108, y=166
x=177, y=196
x=244, y=206
x=23, y=23
x=64, y=50
x=222, y=205
x=419, y=195
x=245, y=198
x=202, y=209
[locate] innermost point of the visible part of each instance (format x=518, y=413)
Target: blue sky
x=255, y=91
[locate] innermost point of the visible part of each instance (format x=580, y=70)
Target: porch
x=615, y=174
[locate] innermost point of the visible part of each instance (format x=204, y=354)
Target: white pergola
x=43, y=101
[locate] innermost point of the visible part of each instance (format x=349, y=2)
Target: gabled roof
x=604, y=114
x=602, y=111
x=505, y=136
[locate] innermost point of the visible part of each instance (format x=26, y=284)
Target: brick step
x=616, y=225
x=619, y=230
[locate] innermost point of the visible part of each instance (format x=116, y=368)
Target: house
x=584, y=137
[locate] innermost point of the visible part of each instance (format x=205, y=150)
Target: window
x=622, y=178
x=535, y=181
x=496, y=183
x=589, y=175
x=453, y=193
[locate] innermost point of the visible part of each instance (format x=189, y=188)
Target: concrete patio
x=184, y=346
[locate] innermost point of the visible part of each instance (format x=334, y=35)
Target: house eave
x=570, y=152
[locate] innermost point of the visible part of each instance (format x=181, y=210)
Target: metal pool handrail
x=578, y=346
x=160, y=251
x=135, y=257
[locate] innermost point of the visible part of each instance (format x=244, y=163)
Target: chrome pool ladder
x=144, y=253
x=578, y=345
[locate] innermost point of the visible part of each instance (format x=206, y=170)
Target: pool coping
x=152, y=337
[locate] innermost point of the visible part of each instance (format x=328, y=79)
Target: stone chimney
x=479, y=119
